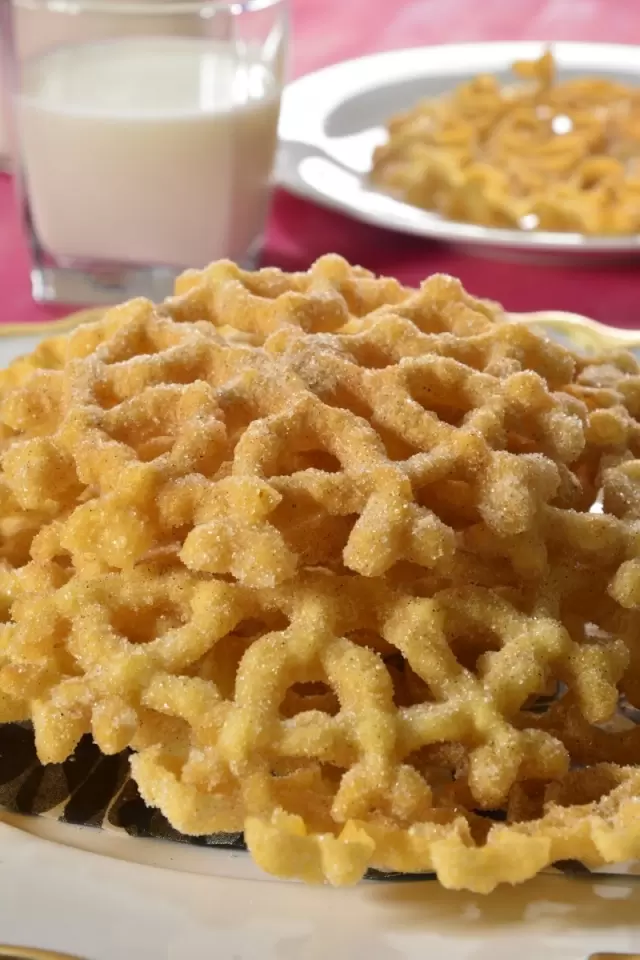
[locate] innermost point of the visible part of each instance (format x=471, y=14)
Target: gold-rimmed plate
x=581, y=333
x=70, y=903
x=31, y=953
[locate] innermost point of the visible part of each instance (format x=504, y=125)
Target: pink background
x=329, y=30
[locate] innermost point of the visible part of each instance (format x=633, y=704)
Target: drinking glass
x=143, y=137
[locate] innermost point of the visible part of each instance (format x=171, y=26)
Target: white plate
x=103, y=907
x=332, y=120
x=99, y=895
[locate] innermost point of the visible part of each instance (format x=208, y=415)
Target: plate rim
x=211, y=915
x=580, y=329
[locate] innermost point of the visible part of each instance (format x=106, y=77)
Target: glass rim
x=148, y=7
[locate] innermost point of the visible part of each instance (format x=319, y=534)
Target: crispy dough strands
x=317, y=547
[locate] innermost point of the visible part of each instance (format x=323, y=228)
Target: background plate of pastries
x=500, y=148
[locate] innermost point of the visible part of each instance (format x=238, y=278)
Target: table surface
x=325, y=31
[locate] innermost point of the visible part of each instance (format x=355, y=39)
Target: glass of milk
x=144, y=135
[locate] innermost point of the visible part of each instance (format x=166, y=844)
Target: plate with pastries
x=514, y=148
x=318, y=577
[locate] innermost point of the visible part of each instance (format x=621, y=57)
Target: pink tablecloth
x=330, y=30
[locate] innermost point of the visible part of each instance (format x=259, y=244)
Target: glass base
x=80, y=288
x=80, y=285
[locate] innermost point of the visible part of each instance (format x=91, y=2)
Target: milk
x=38, y=29
x=148, y=150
